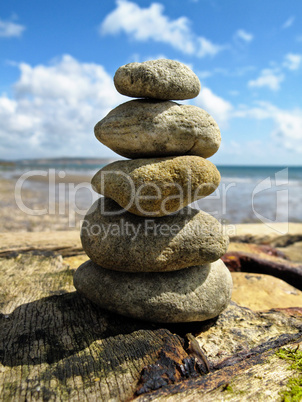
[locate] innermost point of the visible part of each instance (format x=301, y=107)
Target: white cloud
x=55, y=108
x=254, y=148
x=9, y=29
x=216, y=106
x=237, y=72
x=262, y=110
x=287, y=130
x=151, y=23
x=204, y=74
x=268, y=78
x=207, y=48
x=243, y=35
x=272, y=77
x=292, y=61
x=288, y=23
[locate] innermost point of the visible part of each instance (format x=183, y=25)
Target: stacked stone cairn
x=152, y=256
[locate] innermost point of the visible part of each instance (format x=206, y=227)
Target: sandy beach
x=54, y=199
x=36, y=208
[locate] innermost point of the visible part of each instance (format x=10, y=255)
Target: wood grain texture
x=56, y=345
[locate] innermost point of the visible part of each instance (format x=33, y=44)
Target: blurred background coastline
x=56, y=194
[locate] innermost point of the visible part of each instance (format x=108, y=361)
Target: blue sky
x=58, y=59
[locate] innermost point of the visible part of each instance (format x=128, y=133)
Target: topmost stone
x=159, y=79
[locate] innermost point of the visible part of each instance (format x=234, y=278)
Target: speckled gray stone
x=160, y=79
x=145, y=128
x=119, y=240
x=157, y=186
x=192, y=294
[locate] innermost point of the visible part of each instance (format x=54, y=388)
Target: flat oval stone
x=145, y=128
x=191, y=294
x=121, y=241
x=157, y=186
x=160, y=79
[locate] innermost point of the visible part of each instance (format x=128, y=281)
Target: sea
x=246, y=194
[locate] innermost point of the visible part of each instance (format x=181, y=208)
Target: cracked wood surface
x=55, y=345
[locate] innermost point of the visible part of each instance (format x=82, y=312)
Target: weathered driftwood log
x=65, y=243
x=56, y=345
x=264, y=260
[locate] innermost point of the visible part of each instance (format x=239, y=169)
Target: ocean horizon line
x=88, y=159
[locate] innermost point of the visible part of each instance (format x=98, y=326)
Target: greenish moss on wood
x=294, y=392
x=229, y=388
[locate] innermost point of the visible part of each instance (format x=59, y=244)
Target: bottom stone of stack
x=192, y=294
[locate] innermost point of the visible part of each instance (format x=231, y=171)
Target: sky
x=58, y=59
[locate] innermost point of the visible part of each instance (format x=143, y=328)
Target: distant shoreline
x=67, y=187
x=105, y=160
